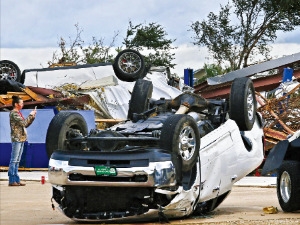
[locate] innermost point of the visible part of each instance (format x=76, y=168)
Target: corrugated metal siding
x=251, y=70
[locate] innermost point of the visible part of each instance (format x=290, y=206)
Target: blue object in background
x=52, y=107
x=34, y=154
x=287, y=74
x=89, y=117
x=5, y=152
x=189, y=77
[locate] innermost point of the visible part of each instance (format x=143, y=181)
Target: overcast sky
x=30, y=29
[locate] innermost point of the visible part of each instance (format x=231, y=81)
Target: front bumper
x=144, y=180
x=144, y=168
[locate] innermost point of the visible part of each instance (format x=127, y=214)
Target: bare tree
x=77, y=52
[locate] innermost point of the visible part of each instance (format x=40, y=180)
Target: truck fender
x=275, y=157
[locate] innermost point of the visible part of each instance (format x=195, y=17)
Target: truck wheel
x=140, y=97
x=242, y=103
x=63, y=126
x=129, y=65
x=9, y=70
x=10, y=85
x=288, y=186
x=180, y=135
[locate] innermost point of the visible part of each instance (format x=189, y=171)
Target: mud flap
x=275, y=157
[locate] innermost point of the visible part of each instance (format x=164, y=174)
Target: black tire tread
x=55, y=127
x=141, y=94
x=238, y=103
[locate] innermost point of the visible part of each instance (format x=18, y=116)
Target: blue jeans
x=16, y=153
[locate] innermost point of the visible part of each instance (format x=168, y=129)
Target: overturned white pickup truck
x=170, y=158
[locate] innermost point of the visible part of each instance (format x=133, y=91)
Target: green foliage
x=97, y=52
x=151, y=38
x=212, y=70
x=257, y=23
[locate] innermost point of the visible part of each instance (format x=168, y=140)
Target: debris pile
x=280, y=110
x=41, y=97
x=93, y=88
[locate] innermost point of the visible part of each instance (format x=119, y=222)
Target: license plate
x=105, y=171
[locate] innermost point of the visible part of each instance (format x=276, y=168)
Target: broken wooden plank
x=109, y=120
x=23, y=97
x=6, y=99
x=4, y=102
x=9, y=94
x=33, y=95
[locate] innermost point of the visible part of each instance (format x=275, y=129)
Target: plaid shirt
x=18, y=126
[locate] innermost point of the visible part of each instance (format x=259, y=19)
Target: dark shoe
x=14, y=184
x=21, y=184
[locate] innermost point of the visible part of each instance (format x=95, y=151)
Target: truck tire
x=65, y=125
x=180, y=135
x=129, y=65
x=8, y=85
x=242, y=103
x=9, y=70
x=140, y=97
x=288, y=186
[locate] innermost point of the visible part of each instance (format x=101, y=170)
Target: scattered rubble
x=281, y=113
x=95, y=87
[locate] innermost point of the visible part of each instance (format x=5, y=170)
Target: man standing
x=18, y=126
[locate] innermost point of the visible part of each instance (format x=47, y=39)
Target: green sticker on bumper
x=105, y=171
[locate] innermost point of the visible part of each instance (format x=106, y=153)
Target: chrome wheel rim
x=8, y=71
x=130, y=62
x=187, y=143
x=250, y=104
x=285, y=186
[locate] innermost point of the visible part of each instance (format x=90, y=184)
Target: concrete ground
x=246, y=181
x=31, y=204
